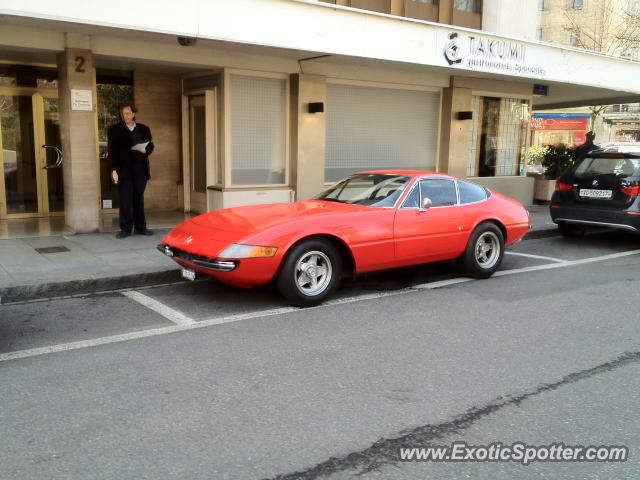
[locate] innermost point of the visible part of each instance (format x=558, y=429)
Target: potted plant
x=534, y=157
x=555, y=160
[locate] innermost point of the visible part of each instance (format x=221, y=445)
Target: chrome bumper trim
x=597, y=224
x=216, y=265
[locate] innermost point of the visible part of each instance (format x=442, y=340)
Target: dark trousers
x=131, y=189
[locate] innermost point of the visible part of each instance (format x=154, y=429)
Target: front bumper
x=245, y=273
x=202, y=262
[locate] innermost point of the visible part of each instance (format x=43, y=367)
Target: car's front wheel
x=485, y=250
x=310, y=273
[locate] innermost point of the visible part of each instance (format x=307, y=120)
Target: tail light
x=633, y=191
x=563, y=187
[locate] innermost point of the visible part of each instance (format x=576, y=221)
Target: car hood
x=253, y=218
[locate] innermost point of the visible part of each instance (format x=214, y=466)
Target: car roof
x=609, y=154
x=620, y=144
x=406, y=173
x=628, y=147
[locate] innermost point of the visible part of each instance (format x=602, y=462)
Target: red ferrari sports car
x=369, y=221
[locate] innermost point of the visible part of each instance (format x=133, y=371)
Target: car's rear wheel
x=485, y=250
x=569, y=230
x=311, y=272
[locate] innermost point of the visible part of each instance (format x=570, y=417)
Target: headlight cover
x=236, y=250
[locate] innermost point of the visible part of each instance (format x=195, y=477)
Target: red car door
x=436, y=233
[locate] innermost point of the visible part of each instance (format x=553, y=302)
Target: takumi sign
x=489, y=54
x=559, y=122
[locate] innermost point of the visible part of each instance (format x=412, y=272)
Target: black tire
x=311, y=285
x=485, y=251
x=568, y=230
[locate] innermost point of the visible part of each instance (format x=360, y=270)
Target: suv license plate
x=591, y=193
x=188, y=274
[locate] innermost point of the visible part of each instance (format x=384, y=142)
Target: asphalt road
x=198, y=380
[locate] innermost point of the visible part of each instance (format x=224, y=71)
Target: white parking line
x=567, y=263
x=278, y=311
x=167, y=312
x=539, y=257
x=442, y=283
x=153, y=332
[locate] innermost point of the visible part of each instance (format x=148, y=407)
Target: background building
x=257, y=101
x=610, y=27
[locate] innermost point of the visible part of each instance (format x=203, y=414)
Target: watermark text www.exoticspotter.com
x=516, y=452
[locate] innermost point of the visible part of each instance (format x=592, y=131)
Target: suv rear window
x=624, y=167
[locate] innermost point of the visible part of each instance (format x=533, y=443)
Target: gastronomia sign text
x=484, y=53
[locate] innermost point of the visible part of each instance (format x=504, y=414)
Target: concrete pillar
x=308, y=135
x=454, y=133
x=78, y=135
x=397, y=7
x=445, y=8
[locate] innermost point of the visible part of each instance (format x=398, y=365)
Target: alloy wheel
x=487, y=250
x=313, y=273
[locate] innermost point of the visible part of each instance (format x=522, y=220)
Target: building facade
x=611, y=27
x=257, y=101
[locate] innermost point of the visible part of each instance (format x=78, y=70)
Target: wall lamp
x=316, y=107
x=466, y=115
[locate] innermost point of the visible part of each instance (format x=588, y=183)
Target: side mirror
x=426, y=204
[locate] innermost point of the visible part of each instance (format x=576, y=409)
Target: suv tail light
x=563, y=187
x=633, y=191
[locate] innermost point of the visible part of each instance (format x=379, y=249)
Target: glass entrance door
x=198, y=154
x=31, y=184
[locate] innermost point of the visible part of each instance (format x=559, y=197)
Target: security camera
x=187, y=41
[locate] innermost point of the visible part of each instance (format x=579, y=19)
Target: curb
x=21, y=293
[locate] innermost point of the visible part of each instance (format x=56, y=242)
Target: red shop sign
x=559, y=123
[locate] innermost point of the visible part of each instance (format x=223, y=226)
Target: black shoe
x=146, y=232
x=123, y=234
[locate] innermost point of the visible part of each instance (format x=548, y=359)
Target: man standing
x=130, y=145
x=586, y=147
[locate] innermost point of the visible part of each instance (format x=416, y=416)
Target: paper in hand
x=140, y=147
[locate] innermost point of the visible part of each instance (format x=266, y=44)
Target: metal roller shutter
x=372, y=127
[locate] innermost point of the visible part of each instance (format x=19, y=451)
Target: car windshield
x=375, y=190
x=623, y=167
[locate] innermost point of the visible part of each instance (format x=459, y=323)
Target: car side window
x=442, y=192
x=413, y=199
x=470, y=192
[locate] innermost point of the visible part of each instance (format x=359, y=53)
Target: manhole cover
x=52, y=249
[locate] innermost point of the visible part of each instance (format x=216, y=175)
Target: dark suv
x=602, y=190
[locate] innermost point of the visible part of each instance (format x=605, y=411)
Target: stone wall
x=157, y=96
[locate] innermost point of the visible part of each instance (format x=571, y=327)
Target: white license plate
x=591, y=193
x=188, y=274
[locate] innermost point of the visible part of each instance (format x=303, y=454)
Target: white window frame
x=226, y=100
x=501, y=95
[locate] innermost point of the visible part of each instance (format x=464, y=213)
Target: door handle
x=58, y=161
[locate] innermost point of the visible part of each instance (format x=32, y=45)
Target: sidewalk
x=58, y=265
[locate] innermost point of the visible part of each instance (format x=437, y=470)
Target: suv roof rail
x=611, y=154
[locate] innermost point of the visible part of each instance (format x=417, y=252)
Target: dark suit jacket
x=122, y=157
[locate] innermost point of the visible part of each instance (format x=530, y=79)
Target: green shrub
x=556, y=159
x=535, y=154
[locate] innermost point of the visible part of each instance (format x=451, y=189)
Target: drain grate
x=52, y=249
